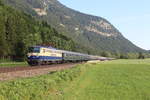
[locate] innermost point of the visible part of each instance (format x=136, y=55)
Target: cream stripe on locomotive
x=49, y=52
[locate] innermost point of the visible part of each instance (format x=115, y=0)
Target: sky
x=130, y=17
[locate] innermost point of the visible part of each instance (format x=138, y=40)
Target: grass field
x=112, y=80
x=13, y=64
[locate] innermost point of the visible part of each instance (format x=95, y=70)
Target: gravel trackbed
x=22, y=72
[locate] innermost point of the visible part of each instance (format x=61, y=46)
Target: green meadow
x=110, y=80
x=13, y=64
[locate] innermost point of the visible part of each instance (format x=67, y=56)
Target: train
x=42, y=55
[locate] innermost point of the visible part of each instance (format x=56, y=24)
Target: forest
x=18, y=31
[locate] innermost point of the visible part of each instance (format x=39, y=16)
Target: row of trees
x=18, y=31
x=117, y=54
x=130, y=55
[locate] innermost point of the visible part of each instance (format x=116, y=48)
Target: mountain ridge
x=92, y=32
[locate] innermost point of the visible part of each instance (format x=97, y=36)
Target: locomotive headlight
x=28, y=55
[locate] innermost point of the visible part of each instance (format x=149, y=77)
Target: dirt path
x=21, y=72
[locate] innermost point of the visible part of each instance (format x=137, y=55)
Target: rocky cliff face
x=92, y=32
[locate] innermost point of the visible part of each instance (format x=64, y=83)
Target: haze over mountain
x=94, y=34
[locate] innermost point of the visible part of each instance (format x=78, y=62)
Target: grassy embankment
x=114, y=80
x=10, y=63
x=13, y=64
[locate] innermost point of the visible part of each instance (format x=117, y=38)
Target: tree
x=1, y=3
x=106, y=54
x=3, y=42
x=141, y=56
x=123, y=56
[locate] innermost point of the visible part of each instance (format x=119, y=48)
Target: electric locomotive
x=43, y=55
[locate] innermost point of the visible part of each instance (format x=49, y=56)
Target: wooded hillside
x=18, y=31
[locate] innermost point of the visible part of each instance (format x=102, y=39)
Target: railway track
x=21, y=72
x=12, y=69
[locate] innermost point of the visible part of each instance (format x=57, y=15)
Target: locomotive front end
x=33, y=57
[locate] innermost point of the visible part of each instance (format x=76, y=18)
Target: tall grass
x=43, y=87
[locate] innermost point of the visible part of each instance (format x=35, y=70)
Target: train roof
x=70, y=52
x=49, y=47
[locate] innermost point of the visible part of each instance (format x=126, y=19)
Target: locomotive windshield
x=34, y=50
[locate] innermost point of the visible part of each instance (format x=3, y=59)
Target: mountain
x=91, y=33
x=18, y=31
